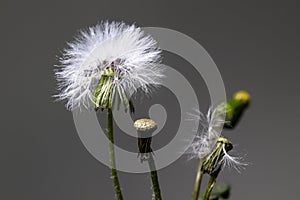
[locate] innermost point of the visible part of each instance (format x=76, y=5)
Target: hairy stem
x=154, y=178
x=112, y=155
x=198, y=181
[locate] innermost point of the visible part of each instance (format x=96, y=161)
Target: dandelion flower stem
x=112, y=155
x=198, y=181
x=154, y=178
x=210, y=187
x=145, y=128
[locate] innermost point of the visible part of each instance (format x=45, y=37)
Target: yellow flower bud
x=242, y=96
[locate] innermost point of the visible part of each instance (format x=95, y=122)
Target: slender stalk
x=210, y=187
x=154, y=178
x=112, y=154
x=198, y=181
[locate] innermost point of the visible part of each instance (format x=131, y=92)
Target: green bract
x=105, y=92
x=212, y=163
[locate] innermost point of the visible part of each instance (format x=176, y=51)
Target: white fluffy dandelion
x=124, y=54
x=105, y=60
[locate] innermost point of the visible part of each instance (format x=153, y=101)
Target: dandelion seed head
x=219, y=158
x=208, y=144
x=132, y=55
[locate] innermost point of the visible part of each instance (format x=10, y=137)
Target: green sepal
x=144, y=145
x=99, y=92
x=111, y=97
x=108, y=72
x=123, y=98
x=105, y=93
x=211, y=164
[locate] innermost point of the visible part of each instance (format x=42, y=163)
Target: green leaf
x=220, y=191
x=111, y=97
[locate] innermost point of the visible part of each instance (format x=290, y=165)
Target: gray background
x=255, y=44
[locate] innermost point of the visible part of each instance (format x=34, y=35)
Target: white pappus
x=206, y=140
x=124, y=48
x=232, y=161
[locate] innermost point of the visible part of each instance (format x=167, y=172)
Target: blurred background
x=255, y=45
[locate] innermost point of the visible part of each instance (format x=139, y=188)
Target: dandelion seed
x=232, y=161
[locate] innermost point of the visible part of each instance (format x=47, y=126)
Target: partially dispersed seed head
x=242, y=96
x=213, y=163
x=145, y=125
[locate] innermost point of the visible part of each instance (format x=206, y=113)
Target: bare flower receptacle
x=145, y=129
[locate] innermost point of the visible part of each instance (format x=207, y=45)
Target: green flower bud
x=234, y=108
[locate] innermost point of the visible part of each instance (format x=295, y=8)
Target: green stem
x=198, y=181
x=154, y=178
x=112, y=154
x=210, y=187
